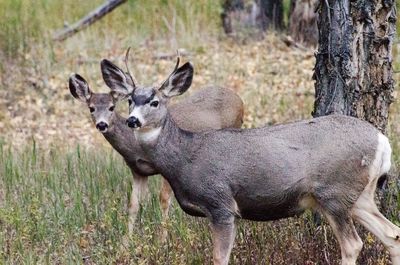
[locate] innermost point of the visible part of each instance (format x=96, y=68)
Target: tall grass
x=69, y=207
x=62, y=206
x=26, y=23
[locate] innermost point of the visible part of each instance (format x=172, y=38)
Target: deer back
x=207, y=109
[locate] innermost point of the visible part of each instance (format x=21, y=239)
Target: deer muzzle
x=102, y=126
x=133, y=122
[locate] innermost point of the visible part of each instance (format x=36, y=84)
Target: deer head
x=101, y=105
x=147, y=105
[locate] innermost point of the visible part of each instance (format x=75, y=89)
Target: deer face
x=147, y=105
x=101, y=105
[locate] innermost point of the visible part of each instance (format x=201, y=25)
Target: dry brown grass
x=275, y=83
x=273, y=80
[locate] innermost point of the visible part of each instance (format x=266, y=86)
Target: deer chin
x=103, y=130
x=147, y=134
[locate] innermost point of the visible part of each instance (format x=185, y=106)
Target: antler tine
x=178, y=59
x=127, y=68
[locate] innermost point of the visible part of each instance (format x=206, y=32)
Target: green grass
x=25, y=24
x=68, y=207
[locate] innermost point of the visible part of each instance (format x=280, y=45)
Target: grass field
x=70, y=207
x=64, y=191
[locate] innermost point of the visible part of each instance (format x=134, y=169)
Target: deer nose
x=133, y=122
x=102, y=126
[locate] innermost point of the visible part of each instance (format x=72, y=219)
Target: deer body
x=206, y=113
x=212, y=174
x=330, y=164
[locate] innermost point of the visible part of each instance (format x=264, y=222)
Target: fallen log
x=89, y=19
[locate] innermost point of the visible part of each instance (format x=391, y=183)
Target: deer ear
x=117, y=96
x=79, y=88
x=179, y=81
x=116, y=79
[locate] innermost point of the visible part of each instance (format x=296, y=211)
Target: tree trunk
x=353, y=71
x=231, y=10
x=251, y=16
x=303, y=22
x=271, y=14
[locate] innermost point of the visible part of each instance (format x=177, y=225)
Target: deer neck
x=168, y=147
x=119, y=135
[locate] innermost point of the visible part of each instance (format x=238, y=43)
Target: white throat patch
x=149, y=135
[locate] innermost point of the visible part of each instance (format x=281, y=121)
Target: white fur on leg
x=368, y=215
x=165, y=201
x=133, y=207
x=223, y=237
x=139, y=191
x=350, y=242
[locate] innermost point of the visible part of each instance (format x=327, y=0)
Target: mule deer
x=329, y=164
x=201, y=111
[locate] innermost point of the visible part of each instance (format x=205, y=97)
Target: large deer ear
x=79, y=88
x=117, y=80
x=179, y=80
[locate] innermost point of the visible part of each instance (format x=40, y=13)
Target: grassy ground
x=70, y=207
x=64, y=192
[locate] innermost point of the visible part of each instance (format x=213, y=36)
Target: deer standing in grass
x=329, y=164
x=201, y=111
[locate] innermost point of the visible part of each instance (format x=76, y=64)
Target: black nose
x=133, y=122
x=101, y=126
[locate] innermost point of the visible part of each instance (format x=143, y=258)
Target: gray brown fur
x=198, y=112
x=266, y=171
x=331, y=164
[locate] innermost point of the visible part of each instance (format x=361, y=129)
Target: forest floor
x=64, y=191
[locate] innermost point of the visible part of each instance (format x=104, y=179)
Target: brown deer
x=329, y=164
x=199, y=112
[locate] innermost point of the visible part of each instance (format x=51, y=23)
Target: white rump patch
x=382, y=161
x=148, y=135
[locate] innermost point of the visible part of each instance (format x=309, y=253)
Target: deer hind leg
x=345, y=232
x=223, y=236
x=365, y=210
x=139, y=189
x=367, y=214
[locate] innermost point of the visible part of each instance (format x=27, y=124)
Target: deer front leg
x=165, y=201
x=223, y=236
x=139, y=190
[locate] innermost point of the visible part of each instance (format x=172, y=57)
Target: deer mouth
x=103, y=130
x=102, y=127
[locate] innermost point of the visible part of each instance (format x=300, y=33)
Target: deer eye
x=111, y=108
x=130, y=102
x=154, y=104
x=91, y=109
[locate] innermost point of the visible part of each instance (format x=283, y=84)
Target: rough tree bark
x=271, y=13
x=303, y=22
x=353, y=71
x=251, y=15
